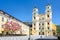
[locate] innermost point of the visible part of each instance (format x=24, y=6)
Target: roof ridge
x=12, y=17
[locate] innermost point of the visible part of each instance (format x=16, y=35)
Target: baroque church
x=42, y=23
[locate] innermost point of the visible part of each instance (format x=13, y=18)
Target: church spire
x=48, y=6
x=35, y=6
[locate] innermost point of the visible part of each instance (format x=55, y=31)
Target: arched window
x=34, y=28
x=48, y=23
x=39, y=24
x=39, y=33
x=34, y=17
x=48, y=27
x=48, y=7
x=42, y=18
x=42, y=33
x=42, y=23
x=48, y=11
x=47, y=15
x=2, y=26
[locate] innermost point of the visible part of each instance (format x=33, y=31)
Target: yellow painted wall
x=1, y=29
x=53, y=27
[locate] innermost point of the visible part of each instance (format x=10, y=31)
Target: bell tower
x=35, y=21
x=48, y=12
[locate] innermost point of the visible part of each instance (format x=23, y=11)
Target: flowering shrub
x=12, y=26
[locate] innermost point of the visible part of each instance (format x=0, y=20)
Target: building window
x=48, y=27
x=48, y=7
x=34, y=24
x=9, y=19
x=42, y=23
x=39, y=33
x=34, y=17
x=2, y=26
x=39, y=27
x=34, y=9
x=54, y=33
x=48, y=32
x=42, y=33
x=47, y=15
x=2, y=18
x=31, y=33
x=48, y=11
x=31, y=29
x=48, y=23
x=2, y=32
x=34, y=28
x=39, y=24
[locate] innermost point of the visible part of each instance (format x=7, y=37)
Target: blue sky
x=22, y=9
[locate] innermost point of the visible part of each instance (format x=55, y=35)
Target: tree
x=58, y=29
x=11, y=26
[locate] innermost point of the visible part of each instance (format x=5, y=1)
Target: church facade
x=42, y=23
